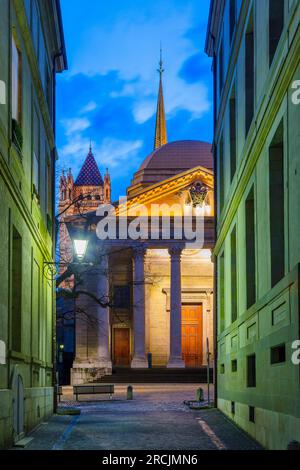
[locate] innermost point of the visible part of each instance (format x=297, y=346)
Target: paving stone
x=156, y=419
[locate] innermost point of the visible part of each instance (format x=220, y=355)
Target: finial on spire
x=161, y=69
x=90, y=145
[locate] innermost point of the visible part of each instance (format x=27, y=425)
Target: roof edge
x=63, y=51
x=213, y=25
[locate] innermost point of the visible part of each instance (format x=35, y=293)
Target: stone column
x=102, y=313
x=139, y=357
x=93, y=359
x=175, y=359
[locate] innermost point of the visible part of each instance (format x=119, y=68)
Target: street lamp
x=80, y=247
x=80, y=236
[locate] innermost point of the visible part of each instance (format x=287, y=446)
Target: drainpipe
x=215, y=230
x=54, y=233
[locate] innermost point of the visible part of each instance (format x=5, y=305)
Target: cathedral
x=160, y=311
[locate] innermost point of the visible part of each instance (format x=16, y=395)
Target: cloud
x=143, y=110
x=75, y=148
x=91, y=106
x=110, y=90
x=196, y=67
x=74, y=125
x=130, y=46
x=120, y=156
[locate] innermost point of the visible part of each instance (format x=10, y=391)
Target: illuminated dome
x=171, y=159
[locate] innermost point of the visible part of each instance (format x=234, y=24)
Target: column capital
x=139, y=251
x=175, y=251
x=101, y=250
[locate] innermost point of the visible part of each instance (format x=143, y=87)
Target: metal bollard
x=149, y=357
x=200, y=394
x=130, y=392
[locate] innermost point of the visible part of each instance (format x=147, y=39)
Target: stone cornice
x=213, y=27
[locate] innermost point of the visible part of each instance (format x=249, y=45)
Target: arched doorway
x=18, y=405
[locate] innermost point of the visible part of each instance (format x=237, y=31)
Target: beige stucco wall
x=196, y=287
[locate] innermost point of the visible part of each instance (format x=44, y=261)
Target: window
x=251, y=371
x=221, y=174
x=49, y=187
x=249, y=74
x=252, y=414
x=35, y=26
x=48, y=89
x=222, y=369
x=234, y=365
x=278, y=354
x=221, y=68
x=36, y=152
x=16, y=290
x=250, y=250
x=122, y=297
x=233, y=276
x=276, y=23
x=276, y=198
x=221, y=292
x=16, y=83
x=232, y=13
x=48, y=194
x=232, y=118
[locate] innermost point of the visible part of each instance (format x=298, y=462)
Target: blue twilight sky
x=109, y=93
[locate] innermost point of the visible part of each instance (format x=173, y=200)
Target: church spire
x=160, y=127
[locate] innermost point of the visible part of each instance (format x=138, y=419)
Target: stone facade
x=167, y=300
x=256, y=50
x=31, y=34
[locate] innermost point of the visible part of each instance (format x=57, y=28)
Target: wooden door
x=121, y=346
x=18, y=407
x=192, y=335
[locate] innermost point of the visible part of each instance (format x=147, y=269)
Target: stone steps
x=157, y=375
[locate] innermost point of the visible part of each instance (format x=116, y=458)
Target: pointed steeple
x=160, y=127
x=89, y=174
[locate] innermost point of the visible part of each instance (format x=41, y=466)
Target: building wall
x=196, y=287
x=273, y=319
x=27, y=210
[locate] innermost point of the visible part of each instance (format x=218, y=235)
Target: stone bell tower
x=89, y=183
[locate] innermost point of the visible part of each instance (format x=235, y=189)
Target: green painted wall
x=276, y=397
x=20, y=208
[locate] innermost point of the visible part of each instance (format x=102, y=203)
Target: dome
x=171, y=159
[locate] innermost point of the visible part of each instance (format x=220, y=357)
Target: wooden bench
x=93, y=390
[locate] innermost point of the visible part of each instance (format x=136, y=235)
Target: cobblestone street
x=156, y=419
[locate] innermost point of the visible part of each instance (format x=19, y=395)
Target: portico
x=159, y=284
x=168, y=311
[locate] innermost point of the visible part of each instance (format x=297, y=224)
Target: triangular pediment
x=170, y=190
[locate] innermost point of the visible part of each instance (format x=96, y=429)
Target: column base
x=86, y=372
x=139, y=363
x=176, y=363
